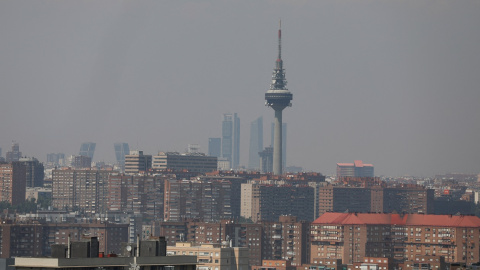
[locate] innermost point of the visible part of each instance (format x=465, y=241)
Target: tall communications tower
x=278, y=97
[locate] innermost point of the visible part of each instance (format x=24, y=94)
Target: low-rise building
x=213, y=256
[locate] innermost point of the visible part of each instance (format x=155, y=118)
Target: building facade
x=256, y=144
x=14, y=154
x=194, y=162
x=231, y=139
x=136, y=162
x=87, y=149
x=207, y=200
x=354, y=236
x=269, y=201
x=355, y=169
x=121, y=150
x=13, y=182
x=84, y=190
x=215, y=147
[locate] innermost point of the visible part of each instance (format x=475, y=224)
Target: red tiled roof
x=358, y=163
x=396, y=219
x=344, y=164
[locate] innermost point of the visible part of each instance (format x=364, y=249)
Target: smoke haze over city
x=393, y=83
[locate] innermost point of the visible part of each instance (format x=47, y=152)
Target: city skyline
x=394, y=83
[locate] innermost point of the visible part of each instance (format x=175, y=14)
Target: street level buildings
x=213, y=256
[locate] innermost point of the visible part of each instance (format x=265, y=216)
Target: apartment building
x=287, y=239
x=207, y=200
x=354, y=236
x=12, y=182
x=267, y=201
x=83, y=189
x=377, y=199
x=137, y=194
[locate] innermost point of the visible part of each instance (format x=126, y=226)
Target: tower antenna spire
x=280, y=40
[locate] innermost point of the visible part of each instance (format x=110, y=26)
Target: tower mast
x=278, y=97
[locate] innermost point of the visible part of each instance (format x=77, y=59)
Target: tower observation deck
x=278, y=97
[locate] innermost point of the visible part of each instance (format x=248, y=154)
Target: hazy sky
x=393, y=83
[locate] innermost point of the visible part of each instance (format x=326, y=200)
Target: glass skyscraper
x=231, y=139
x=121, y=149
x=256, y=143
x=87, y=149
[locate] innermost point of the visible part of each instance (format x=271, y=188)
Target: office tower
x=215, y=147
x=284, y=143
x=231, y=139
x=13, y=182
x=266, y=160
x=34, y=172
x=256, y=143
x=80, y=162
x=15, y=154
x=87, y=149
x=193, y=148
x=0, y=152
x=56, y=158
x=355, y=169
x=278, y=97
x=193, y=162
x=121, y=149
x=137, y=162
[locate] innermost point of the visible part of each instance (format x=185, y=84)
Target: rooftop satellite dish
x=129, y=248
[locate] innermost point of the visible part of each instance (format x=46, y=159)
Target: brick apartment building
x=80, y=189
x=285, y=238
x=402, y=199
x=209, y=200
x=265, y=201
x=12, y=182
x=405, y=238
x=137, y=194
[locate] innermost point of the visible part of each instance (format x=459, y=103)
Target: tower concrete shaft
x=278, y=97
x=277, y=143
